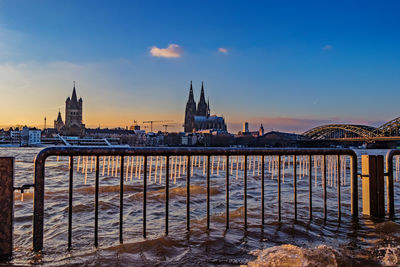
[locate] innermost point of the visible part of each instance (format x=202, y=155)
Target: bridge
x=389, y=131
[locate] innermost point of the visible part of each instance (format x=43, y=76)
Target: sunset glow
x=258, y=72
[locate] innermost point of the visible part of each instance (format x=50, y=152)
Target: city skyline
x=277, y=123
x=266, y=63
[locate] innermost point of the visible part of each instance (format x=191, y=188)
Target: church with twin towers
x=198, y=118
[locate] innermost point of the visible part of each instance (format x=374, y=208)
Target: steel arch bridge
x=337, y=131
x=391, y=128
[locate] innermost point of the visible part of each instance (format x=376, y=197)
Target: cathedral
x=199, y=118
x=73, y=117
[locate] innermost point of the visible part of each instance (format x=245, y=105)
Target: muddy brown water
x=289, y=243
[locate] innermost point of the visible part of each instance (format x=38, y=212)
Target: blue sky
x=290, y=65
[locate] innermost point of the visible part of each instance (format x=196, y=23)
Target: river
x=302, y=242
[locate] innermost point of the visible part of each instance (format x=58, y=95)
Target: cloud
x=172, y=51
x=327, y=47
x=223, y=50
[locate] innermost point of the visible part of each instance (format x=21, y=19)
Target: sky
x=290, y=65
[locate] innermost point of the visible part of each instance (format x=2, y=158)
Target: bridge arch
x=390, y=128
x=340, y=131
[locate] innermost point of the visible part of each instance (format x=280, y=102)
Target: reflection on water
x=289, y=243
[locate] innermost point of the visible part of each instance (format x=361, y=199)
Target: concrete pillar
x=6, y=206
x=373, y=186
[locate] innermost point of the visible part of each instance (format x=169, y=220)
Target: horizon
x=267, y=63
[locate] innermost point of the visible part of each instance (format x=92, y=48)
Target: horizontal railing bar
x=173, y=151
x=392, y=152
x=23, y=187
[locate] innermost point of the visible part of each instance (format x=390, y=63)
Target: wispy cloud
x=172, y=51
x=223, y=50
x=327, y=47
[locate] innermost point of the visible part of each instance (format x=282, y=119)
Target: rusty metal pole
x=354, y=185
x=38, y=202
x=389, y=183
x=7, y=206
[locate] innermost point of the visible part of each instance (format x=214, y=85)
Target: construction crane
x=151, y=123
x=166, y=127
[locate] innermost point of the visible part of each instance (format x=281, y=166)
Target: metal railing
x=389, y=181
x=98, y=152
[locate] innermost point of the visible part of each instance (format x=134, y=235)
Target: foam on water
x=289, y=255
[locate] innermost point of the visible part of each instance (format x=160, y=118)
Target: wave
x=290, y=255
x=159, y=195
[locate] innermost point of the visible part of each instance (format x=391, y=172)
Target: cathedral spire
x=190, y=111
x=208, y=107
x=202, y=97
x=191, y=97
x=202, y=105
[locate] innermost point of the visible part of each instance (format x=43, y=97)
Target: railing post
x=227, y=193
x=38, y=204
x=70, y=196
x=354, y=186
x=245, y=191
x=7, y=206
x=373, y=185
x=166, y=193
x=208, y=192
x=121, y=197
x=324, y=193
x=389, y=184
x=188, y=194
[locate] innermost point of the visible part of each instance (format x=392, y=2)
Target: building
x=73, y=117
x=246, y=130
x=199, y=118
x=245, y=127
x=261, y=130
x=58, y=124
x=34, y=136
x=26, y=136
x=15, y=135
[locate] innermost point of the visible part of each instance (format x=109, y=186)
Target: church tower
x=190, y=111
x=202, y=107
x=261, y=130
x=73, y=115
x=58, y=124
